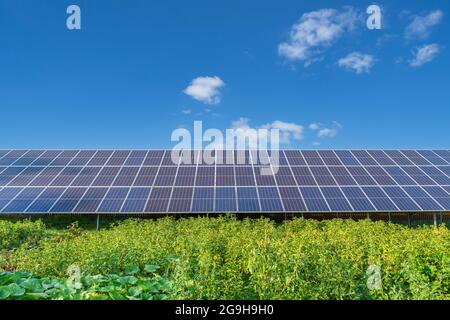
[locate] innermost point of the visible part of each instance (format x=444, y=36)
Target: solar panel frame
x=321, y=170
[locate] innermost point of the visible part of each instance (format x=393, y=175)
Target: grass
x=226, y=258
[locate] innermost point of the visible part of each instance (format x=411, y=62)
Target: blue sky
x=139, y=69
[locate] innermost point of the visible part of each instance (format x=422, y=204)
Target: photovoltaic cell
x=270, y=200
x=380, y=176
x=292, y=199
x=432, y=157
x=225, y=200
x=364, y=158
x=400, y=176
x=358, y=199
x=248, y=200
x=379, y=199
x=158, y=201
x=440, y=195
x=203, y=200
x=381, y=158
x=336, y=199
x=436, y=175
x=422, y=199
x=399, y=158
x=303, y=176
x=110, y=181
x=22, y=200
x=181, y=200
x=415, y=157
x=401, y=199
x=342, y=176
x=444, y=154
x=91, y=200
x=45, y=201
x=347, y=158
x=113, y=200
x=314, y=199
x=361, y=176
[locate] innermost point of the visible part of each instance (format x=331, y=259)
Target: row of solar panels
x=224, y=176
x=224, y=199
x=165, y=158
x=149, y=181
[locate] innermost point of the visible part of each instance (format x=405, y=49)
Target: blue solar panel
x=91, y=200
x=422, y=199
x=436, y=175
x=323, y=176
x=361, y=176
x=342, y=176
x=284, y=177
x=46, y=200
x=270, y=200
x=248, y=200
x=380, y=176
x=110, y=181
x=401, y=199
x=292, y=199
x=336, y=199
x=379, y=199
x=329, y=158
x=419, y=176
x=364, y=158
x=432, y=157
x=314, y=199
x=358, y=199
x=303, y=176
x=347, y=158
x=381, y=158
x=400, y=176
x=440, y=195
x=225, y=199
x=399, y=158
x=415, y=157
x=203, y=200
x=444, y=154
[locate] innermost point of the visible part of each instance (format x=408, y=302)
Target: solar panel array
x=316, y=181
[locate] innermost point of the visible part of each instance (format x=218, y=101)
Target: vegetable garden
x=224, y=258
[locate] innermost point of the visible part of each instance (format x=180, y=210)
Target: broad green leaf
x=130, y=270
x=32, y=285
x=5, y=292
x=16, y=290
x=151, y=268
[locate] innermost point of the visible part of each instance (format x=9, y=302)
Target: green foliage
x=24, y=286
x=225, y=258
x=24, y=232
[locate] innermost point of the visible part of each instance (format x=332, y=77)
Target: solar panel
x=159, y=181
x=314, y=199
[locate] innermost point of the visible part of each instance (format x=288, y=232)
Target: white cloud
x=205, y=89
x=357, y=62
x=324, y=132
x=316, y=31
x=186, y=111
x=424, y=54
x=327, y=133
x=288, y=131
x=421, y=25
x=314, y=126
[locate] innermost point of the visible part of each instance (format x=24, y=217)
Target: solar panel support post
x=368, y=216
x=435, y=219
x=409, y=220
x=389, y=216
x=98, y=222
